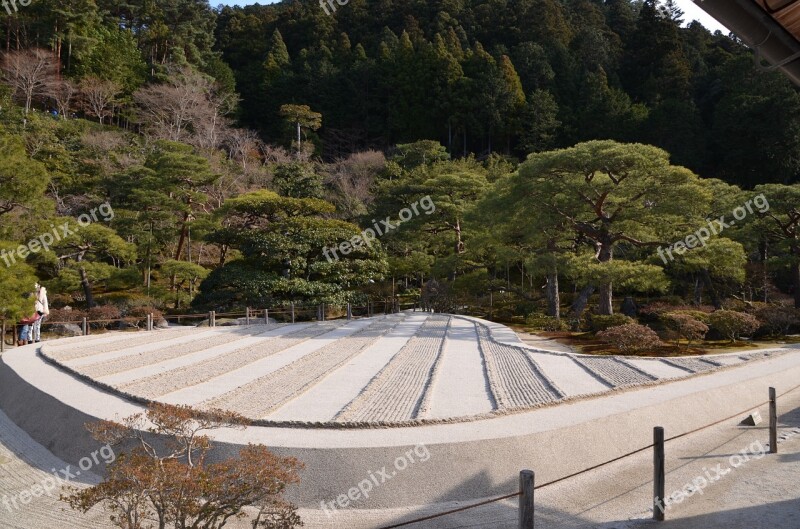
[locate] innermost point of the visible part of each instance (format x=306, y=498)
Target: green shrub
x=542, y=322
x=732, y=324
x=657, y=308
x=599, y=322
x=631, y=338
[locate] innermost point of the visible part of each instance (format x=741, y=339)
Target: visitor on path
x=26, y=329
x=42, y=310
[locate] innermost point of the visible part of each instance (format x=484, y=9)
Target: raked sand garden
x=393, y=370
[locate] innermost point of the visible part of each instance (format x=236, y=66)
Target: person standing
x=43, y=310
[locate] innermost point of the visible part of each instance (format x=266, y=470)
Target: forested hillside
x=548, y=153
x=515, y=76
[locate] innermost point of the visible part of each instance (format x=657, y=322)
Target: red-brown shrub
x=631, y=338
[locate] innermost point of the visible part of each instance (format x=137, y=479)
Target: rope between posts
x=595, y=467
x=466, y=507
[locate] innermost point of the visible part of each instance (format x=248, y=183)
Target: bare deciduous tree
x=63, y=93
x=351, y=180
x=172, y=484
x=241, y=144
x=29, y=73
x=99, y=96
x=185, y=108
x=272, y=154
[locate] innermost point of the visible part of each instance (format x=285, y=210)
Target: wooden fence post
x=659, y=474
x=266, y=316
x=3, y=341
x=247, y=316
x=526, y=483
x=212, y=318
x=773, y=422
x=292, y=311
x=85, y=327
x=349, y=312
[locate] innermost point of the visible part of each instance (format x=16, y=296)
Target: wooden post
x=773, y=422
x=85, y=327
x=659, y=474
x=266, y=316
x=247, y=316
x=526, y=480
x=147, y=323
x=212, y=318
x=292, y=311
x=349, y=312
x=3, y=341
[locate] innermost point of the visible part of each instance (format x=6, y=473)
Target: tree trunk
x=553, y=299
x=459, y=241
x=606, y=291
x=796, y=281
x=579, y=305
x=87, y=288
x=711, y=290
x=698, y=291
x=182, y=240
x=764, y=251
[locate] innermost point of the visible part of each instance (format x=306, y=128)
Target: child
x=25, y=336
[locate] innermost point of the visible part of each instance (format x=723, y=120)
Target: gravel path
x=397, y=392
x=121, y=341
x=460, y=387
x=613, y=371
x=25, y=464
x=163, y=383
x=266, y=394
x=326, y=399
x=515, y=378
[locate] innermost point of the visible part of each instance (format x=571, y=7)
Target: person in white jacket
x=42, y=309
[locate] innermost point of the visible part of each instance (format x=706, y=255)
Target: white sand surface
x=658, y=369
x=229, y=381
x=460, y=387
x=194, y=358
x=571, y=378
x=331, y=395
